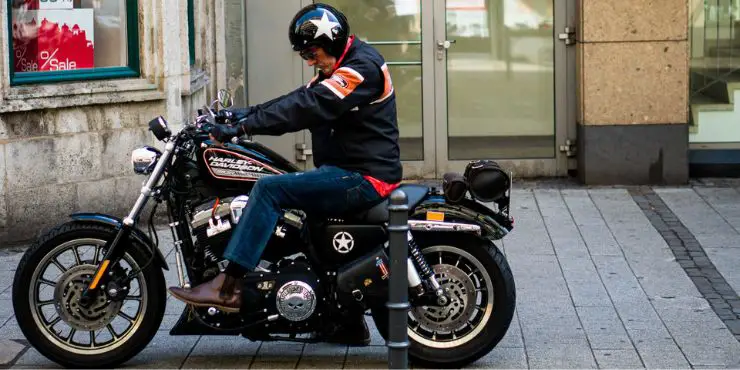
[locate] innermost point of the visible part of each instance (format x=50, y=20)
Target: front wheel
x=477, y=276
x=46, y=298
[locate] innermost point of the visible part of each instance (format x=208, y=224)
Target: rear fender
x=136, y=234
x=494, y=225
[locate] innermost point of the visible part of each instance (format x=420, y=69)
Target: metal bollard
x=398, y=302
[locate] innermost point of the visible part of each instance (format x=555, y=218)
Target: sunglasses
x=309, y=53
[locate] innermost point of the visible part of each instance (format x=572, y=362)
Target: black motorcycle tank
x=234, y=168
x=236, y=164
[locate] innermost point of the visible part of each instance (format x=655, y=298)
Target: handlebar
x=207, y=116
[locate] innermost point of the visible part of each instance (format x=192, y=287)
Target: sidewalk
x=606, y=278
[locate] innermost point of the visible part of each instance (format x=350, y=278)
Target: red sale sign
x=52, y=39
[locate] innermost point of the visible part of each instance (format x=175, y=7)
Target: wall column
x=633, y=83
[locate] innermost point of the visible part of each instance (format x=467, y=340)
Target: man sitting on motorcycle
x=350, y=109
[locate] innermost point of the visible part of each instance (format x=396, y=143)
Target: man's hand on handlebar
x=222, y=133
x=223, y=129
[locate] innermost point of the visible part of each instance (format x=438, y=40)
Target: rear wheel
x=105, y=333
x=477, y=276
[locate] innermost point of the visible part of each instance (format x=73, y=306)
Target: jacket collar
x=351, y=45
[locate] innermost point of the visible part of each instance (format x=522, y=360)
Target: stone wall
x=66, y=147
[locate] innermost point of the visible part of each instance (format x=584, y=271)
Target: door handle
x=442, y=45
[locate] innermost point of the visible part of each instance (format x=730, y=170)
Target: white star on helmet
x=324, y=27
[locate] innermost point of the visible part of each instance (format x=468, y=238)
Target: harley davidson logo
x=231, y=166
x=235, y=164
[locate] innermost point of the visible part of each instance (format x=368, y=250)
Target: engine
x=213, y=222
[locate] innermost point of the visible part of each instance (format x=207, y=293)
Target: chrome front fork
x=146, y=192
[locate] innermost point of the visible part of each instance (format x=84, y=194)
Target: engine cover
x=292, y=293
x=296, y=300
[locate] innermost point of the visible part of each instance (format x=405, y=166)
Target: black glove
x=225, y=116
x=233, y=115
x=224, y=133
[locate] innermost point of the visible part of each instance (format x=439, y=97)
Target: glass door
x=499, y=71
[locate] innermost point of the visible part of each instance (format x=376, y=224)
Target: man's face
x=315, y=56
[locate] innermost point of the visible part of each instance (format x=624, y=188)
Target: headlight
x=159, y=128
x=144, y=159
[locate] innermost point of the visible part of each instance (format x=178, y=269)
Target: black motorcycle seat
x=378, y=214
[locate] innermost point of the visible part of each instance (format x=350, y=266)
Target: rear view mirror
x=225, y=98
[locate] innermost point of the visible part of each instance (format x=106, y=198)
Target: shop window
x=69, y=40
x=191, y=32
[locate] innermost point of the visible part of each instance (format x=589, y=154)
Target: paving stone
x=9, y=350
x=733, y=325
x=9, y=262
x=528, y=236
x=164, y=351
x=502, y=358
x=618, y=358
x=11, y=330
x=513, y=337
x=726, y=261
x=375, y=338
x=34, y=360
x=710, y=355
x=323, y=356
x=222, y=353
x=561, y=356
x=563, y=232
x=684, y=309
x=552, y=334
x=661, y=354
x=6, y=279
x=278, y=355
x=168, y=322
x=371, y=357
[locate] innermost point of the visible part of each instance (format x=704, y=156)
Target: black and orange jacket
x=351, y=115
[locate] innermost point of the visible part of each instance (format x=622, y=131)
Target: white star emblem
x=343, y=242
x=324, y=27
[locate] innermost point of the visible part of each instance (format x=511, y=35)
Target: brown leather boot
x=223, y=292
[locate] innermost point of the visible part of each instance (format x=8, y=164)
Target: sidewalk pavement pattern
x=606, y=278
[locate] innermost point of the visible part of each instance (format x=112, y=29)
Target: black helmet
x=319, y=25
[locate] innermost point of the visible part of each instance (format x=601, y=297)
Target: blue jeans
x=326, y=191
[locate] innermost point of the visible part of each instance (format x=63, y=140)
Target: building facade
x=79, y=81
x=608, y=92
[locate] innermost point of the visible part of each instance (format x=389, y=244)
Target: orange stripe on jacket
x=388, y=84
x=343, y=81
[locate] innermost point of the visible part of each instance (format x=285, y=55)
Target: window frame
x=101, y=73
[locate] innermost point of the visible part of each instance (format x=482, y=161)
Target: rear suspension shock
x=425, y=272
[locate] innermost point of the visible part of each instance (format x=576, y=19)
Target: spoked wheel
x=478, y=280
x=109, y=329
x=472, y=296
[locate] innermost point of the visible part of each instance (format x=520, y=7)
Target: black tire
x=493, y=331
x=133, y=343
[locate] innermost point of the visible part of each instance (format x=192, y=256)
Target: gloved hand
x=224, y=133
x=232, y=115
x=225, y=116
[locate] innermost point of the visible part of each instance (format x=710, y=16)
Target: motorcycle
x=91, y=291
